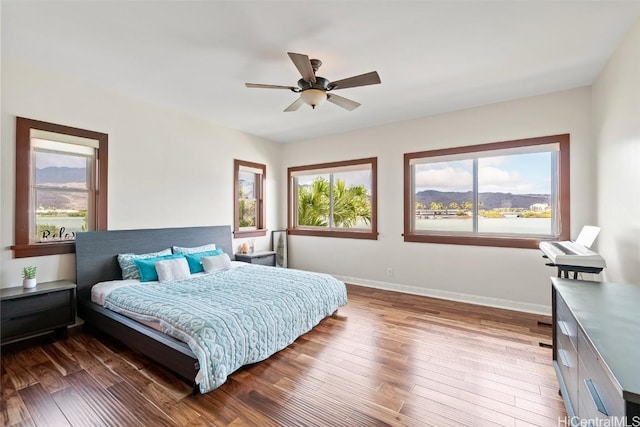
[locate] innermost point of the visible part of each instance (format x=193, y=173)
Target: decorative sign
x=60, y=235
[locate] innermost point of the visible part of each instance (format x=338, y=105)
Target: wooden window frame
x=482, y=240
x=23, y=247
x=260, y=197
x=372, y=234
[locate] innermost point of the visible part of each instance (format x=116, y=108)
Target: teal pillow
x=147, y=267
x=195, y=265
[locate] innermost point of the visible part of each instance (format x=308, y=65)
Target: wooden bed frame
x=96, y=261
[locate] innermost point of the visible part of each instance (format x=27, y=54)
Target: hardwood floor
x=384, y=359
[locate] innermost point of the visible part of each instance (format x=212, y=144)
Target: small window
x=61, y=186
x=334, y=199
x=249, y=182
x=511, y=194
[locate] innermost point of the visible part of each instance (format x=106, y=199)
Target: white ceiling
x=432, y=56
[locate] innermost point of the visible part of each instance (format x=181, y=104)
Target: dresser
x=50, y=306
x=260, y=257
x=596, y=350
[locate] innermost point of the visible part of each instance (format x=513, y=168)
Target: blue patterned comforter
x=233, y=317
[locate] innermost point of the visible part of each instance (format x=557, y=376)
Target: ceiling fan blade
x=371, y=78
x=343, y=102
x=303, y=64
x=295, y=105
x=258, y=85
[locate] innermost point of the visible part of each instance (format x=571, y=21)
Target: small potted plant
x=29, y=277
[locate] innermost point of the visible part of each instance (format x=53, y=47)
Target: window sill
x=334, y=233
x=239, y=234
x=503, y=242
x=43, y=249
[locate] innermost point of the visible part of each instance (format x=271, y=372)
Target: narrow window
x=511, y=194
x=334, y=199
x=249, y=182
x=61, y=186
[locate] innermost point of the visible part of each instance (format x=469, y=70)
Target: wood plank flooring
x=385, y=359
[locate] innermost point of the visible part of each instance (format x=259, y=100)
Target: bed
x=97, y=262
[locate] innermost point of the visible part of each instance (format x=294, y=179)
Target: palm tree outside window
x=334, y=199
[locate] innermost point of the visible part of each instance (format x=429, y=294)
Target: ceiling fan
x=314, y=90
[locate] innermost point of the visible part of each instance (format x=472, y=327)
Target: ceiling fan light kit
x=313, y=89
x=313, y=97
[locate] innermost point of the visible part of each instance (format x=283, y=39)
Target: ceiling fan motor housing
x=321, y=83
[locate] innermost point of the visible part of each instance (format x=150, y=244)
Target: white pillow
x=172, y=269
x=215, y=263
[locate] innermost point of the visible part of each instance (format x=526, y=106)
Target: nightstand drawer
x=36, y=304
x=261, y=258
x=264, y=260
x=30, y=323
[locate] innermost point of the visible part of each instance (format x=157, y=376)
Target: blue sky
x=351, y=178
x=518, y=174
x=46, y=159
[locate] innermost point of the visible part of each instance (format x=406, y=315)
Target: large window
x=61, y=186
x=511, y=194
x=334, y=199
x=249, y=180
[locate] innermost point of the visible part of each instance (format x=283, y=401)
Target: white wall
x=166, y=169
x=506, y=277
x=616, y=128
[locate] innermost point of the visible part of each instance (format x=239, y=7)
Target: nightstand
x=50, y=306
x=260, y=257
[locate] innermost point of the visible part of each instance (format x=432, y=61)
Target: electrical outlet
x=389, y=271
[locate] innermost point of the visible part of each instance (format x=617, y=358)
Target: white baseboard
x=452, y=296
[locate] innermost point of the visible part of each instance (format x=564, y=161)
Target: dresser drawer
x=599, y=395
x=567, y=359
x=565, y=322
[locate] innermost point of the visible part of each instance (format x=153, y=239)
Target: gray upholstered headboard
x=97, y=251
